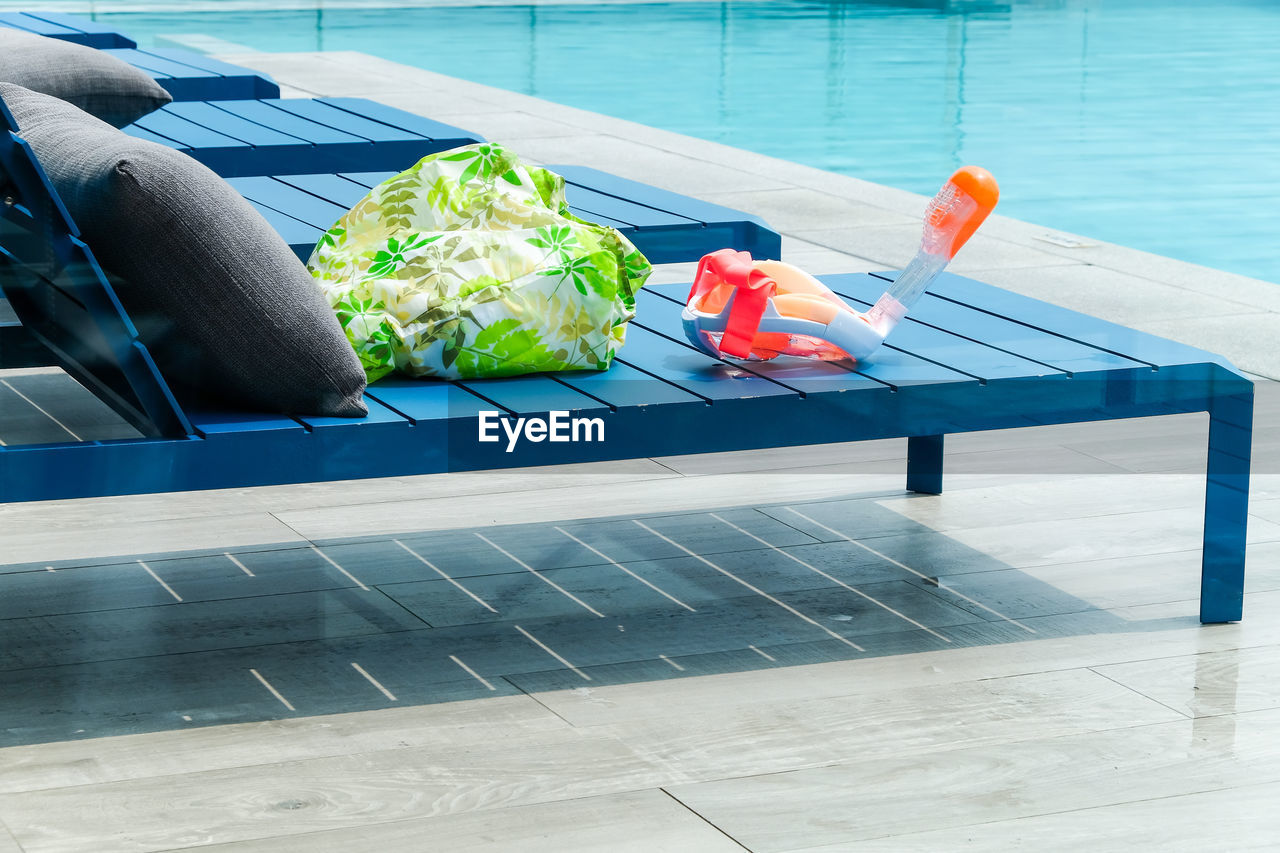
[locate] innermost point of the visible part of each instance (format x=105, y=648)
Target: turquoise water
x=1154, y=125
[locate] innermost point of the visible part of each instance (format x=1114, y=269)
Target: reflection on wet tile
x=158, y=641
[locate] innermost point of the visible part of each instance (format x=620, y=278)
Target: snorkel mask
x=762, y=309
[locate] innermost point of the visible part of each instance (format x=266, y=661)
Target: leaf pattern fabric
x=470, y=265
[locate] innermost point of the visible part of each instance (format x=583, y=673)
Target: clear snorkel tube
x=950, y=220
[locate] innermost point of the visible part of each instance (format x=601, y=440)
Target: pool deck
x=1090, y=710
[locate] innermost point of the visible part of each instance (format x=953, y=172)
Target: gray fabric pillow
x=225, y=307
x=94, y=81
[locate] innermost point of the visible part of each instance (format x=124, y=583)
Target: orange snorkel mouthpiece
x=959, y=208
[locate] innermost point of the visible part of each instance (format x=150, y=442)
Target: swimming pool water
x=1154, y=125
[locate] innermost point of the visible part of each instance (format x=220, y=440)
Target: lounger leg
x=1226, y=508
x=924, y=464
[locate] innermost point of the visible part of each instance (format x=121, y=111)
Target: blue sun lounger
x=186, y=75
x=315, y=140
x=970, y=357
x=72, y=28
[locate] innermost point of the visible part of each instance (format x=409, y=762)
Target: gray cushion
x=224, y=306
x=94, y=81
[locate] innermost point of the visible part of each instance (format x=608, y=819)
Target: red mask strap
x=752, y=289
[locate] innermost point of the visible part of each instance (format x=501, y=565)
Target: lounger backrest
x=63, y=297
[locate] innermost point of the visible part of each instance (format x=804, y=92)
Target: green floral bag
x=470, y=265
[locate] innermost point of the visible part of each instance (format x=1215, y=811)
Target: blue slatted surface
x=333, y=188
x=228, y=123
x=247, y=137
x=1063, y=322
x=186, y=135
x=287, y=199
x=189, y=76
x=398, y=124
x=268, y=114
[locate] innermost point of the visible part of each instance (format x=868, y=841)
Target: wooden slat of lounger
x=364, y=109
x=290, y=201
x=301, y=237
x=427, y=400
x=262, y=86
x=159, y=66
x=1061, y=353
x=142, y=133
x=185, y=135
x=599, y=219
x=267, y=114
x=368, y=179
x=322, y=112
x=1064, y=322
x=379, y=415
x=72, y=28
x=82, y=24
x=622, y=385
x=928, y=394
x=188, y=81
x=27, y=23
x=209, y=116
x=533, y=394
x=332, y=188
x=623, y=210
x=646, y=194
x=216, y=423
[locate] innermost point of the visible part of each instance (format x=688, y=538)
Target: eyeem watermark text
x=556, y=426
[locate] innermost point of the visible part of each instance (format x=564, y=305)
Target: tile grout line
x=702, y=817
x=834, y=580
x=1138, y=692
x=551, y=652
x=447, y=577
x=618, y=565
x=539, y=575
x=159, y=580
x=755, y=589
